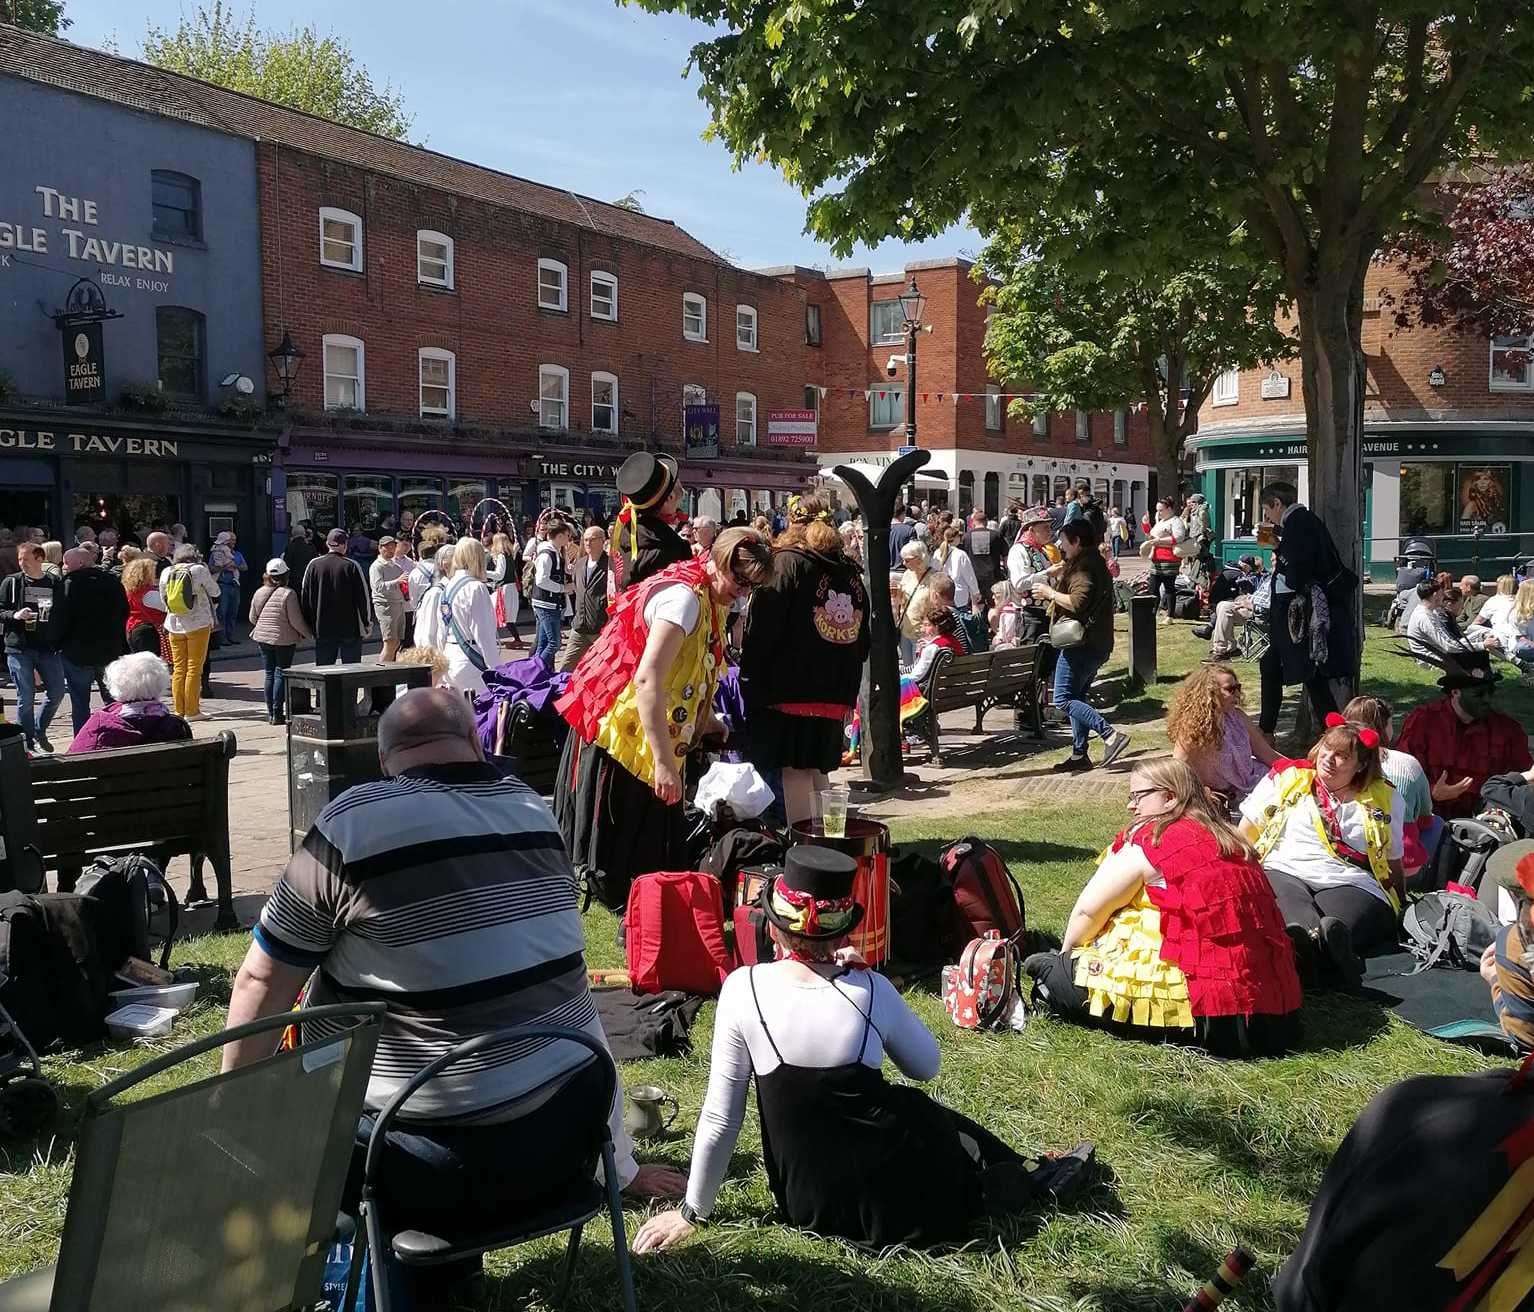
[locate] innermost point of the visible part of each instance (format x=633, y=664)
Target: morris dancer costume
x=643, y=543
x=613, y=824
x=1199, y=954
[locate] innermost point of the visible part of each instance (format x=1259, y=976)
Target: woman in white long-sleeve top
x=463, y=627
x=846, y=1152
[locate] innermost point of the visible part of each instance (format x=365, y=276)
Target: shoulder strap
x=868, y=1016
x=476, y=657
x=761, y=1019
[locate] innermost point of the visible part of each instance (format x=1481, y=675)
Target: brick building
x=981, y=455
x=1448, y=442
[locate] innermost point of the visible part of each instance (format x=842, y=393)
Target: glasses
x=1137, y=794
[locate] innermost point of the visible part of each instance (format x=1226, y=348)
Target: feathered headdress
x=1463, y=667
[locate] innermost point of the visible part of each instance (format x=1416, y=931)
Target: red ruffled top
x=1220, y=924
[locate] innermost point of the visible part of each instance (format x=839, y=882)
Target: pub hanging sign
x=84, y=368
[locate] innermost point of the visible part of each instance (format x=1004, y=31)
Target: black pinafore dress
x=849, y=1154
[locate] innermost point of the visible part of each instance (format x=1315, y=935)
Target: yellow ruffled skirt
x=1124, y=977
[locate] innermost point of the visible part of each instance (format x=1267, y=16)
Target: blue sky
x=578, y=93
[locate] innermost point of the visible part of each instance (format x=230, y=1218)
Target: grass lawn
x=1203, y=1154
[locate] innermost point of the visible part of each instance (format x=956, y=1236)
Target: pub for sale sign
x=791, y=428
x=84, y=369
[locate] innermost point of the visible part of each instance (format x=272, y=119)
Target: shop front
x=730, y=486
x=381, y=483
x=1468, y=488
x=61, y=472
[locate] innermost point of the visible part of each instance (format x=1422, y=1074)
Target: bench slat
x=140, y=783
x=108, y=804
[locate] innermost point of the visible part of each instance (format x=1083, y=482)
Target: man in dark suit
x=590, y=600
x=1305, y=557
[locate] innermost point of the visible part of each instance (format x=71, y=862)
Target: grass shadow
x=1176, y=1248
x=1334, y=1022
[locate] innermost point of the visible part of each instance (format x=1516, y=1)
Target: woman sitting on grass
x=1211, y=731
x=1329, y=833
x=846, y=1152
x=1178, y=935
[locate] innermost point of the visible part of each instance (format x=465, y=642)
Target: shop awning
x=934, y=478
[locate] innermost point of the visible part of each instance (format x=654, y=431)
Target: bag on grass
x=138, y=906
x=981, y=990
x=1449, y=929
x=753, y=943
x=985, y=895
x=674, y=933
x=922, y=919
x=51, y=983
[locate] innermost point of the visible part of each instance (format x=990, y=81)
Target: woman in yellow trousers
x=189, y=591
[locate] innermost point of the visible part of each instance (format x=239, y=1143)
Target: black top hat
x=812, y=898
x=646, y=478
x=1468, y=669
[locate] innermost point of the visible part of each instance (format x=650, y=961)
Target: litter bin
x=333, y=713
x=1142, y=641
x=21, y=866
x=868, y=843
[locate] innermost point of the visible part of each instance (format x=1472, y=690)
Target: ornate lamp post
x=286, y=359
x=912, y=305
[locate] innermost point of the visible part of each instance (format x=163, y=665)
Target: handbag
x=1067, y=633
x=1146, y=547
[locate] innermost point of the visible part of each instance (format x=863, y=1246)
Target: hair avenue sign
x=104, y=444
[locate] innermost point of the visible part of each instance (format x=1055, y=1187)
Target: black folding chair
x=221, y=1193
x=571, y=1211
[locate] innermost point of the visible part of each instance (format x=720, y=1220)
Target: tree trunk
x=1334, y=378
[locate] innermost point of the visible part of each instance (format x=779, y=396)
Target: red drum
x=868, y=843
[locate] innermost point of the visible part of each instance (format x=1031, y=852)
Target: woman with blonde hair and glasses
x=1177, y=936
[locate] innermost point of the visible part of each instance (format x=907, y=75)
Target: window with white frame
x=1083, y=426
x=886, y=407
x=1227, y=388
x=745, y=419
x=340, y=240
x=886, y=322
x=604, y=403
x=553, y=396
x=694, y=318
x=1121, y=426
x=345, y=373
x=604, y=295
x=993, y=407
x=1041, y=424
x=437, y=382
x=553, y=284
x=1512, y=363
x=745, y=328
x=434, y=259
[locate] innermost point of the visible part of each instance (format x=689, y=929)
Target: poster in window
x=700, y=423
x=1483, y=497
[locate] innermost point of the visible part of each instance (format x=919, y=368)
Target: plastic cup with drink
x=833, y=811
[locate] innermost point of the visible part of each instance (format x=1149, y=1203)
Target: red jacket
x=138, y=613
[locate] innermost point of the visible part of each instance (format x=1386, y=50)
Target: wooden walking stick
x=1223, y=1283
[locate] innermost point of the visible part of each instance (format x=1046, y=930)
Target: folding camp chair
x=1252, y=639
x=223, y=1193
x=582, y=1202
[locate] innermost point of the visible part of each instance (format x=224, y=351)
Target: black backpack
x=136, y=906
x=1448, y=929
x=750, y=843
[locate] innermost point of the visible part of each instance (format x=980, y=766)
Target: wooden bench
x=169, y=799
x=984, y=679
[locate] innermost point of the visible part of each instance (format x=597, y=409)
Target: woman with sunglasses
x=641, y=698
x=1177, y=936
x=1212, y=732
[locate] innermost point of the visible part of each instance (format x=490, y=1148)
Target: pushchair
x=28, y=1103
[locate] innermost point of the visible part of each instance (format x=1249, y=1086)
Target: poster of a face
x=1483, y=497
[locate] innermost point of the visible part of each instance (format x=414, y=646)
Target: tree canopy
x=300, y=69
x=45, y=16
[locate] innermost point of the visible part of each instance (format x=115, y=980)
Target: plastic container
x=140, y=1022
x=178, y=997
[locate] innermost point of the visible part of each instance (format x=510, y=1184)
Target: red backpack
x=674, y=933
x=985, y=896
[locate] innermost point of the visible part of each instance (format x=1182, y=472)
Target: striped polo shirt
x=444, y=892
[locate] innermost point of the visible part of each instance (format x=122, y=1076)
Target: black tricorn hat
x=812, y=898
x=646, y=478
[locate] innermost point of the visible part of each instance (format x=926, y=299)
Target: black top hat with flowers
x=1463, y=667
x=812, y=898
x=646, y=478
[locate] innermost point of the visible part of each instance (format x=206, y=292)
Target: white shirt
x=958, y=566
x=422, y=578
x=1300, y=852
x=812, y=1027
x=1020, y=571
x=675, y=602
x=475, y=613
x=1496, y=611
x=202, y=589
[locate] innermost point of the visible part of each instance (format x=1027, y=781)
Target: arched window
x=553, y=285
x=179, y=333
x=340, y=239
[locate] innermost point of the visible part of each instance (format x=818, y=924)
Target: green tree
x=45, y=16
x=1313, y=122
x=1091, y=310
x=300, y=69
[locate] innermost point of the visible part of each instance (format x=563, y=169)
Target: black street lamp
x=286, y=359
x=912, y=305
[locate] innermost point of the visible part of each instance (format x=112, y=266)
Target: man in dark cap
x=1461, y=739
x=644, y=541
x=334, y=597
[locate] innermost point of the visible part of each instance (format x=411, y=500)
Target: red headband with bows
x=1368, y=737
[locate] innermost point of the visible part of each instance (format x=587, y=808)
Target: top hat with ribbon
x=812, y=898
